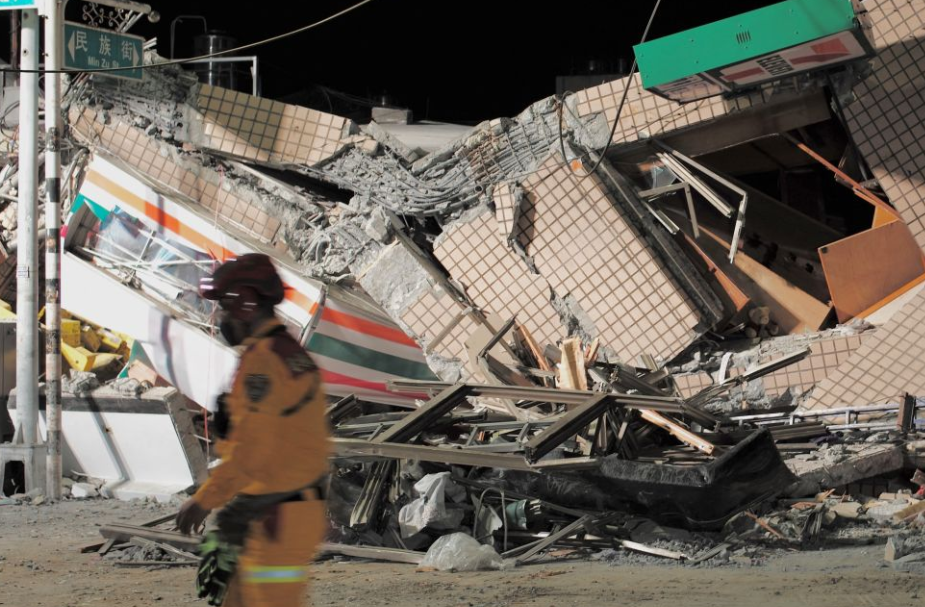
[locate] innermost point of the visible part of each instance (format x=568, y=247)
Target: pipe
x=27, y=408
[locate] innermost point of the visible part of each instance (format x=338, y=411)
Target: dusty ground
x=40, y=567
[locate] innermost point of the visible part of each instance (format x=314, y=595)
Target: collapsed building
x=611, y=296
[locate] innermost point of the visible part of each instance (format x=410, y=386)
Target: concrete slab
x=842, y=464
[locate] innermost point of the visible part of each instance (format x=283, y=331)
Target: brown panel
x=866, y=268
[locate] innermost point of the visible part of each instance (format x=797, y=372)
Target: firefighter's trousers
x=273, y=567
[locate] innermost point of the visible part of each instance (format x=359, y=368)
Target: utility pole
x=54, y=24
x=27, y=408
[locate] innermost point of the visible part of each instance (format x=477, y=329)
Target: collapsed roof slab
x=496, y=278
x=588, y=269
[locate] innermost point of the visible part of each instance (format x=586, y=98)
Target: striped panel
x=370, y=359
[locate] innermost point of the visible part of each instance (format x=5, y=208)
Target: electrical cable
x=616, y=119
x=228, y=51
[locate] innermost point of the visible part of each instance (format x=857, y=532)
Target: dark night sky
x=449, y=61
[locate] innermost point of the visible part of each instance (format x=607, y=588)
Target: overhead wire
x=185, y=60
x=626, y=88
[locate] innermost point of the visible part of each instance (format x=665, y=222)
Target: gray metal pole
x=27, y=408
x=53, y=47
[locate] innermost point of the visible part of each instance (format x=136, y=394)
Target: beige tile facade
x=645, y=114
x=889, y=363
x=888, y=117
x=506, y=207
x=583, y=246
x=497, y=279
x=887, y=120
x=263, y=130
x=826, y=356
x=206, y=186
x=428, y=317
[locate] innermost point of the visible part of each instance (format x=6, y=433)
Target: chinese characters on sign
x=88, y=48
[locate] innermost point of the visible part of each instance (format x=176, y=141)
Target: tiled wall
x=887, y=121
x=497, y=279
x=889, y=363
x=584, y=247
x=888, y=117
x=264, y=130
x=428, y=316
x=826, y=356
x=645, y=114
x=134, y=147
x=506, y=207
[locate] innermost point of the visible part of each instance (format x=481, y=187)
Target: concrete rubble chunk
x=894, y=549
x=84, y=490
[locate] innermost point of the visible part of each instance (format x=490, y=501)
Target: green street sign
x=89, y=48
x=17, y=4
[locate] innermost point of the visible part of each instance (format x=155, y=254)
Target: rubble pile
x=612, y=324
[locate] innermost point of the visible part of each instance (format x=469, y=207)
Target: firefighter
x=273, y=442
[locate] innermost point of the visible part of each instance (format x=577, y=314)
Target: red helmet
x=252, y=270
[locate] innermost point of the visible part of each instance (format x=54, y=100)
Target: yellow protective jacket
x=279, y=437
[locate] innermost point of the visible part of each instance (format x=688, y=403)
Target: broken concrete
x=839, y=465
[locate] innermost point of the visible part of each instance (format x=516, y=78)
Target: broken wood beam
x=567, y=426
x=533, y=347
x=858, y=189
x=432, y=410
x=679, y=432
x=572, y=368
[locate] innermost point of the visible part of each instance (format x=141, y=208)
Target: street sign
x=16, y=5
x=89, y=48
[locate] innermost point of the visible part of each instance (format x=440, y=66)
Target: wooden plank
x=668, y=554
x=534, y=348
x=679, y=432
x=737, y=298
x=858, y=189
x=591, y=354
x=868, y=267
x=572, y=368
x=793, y=309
